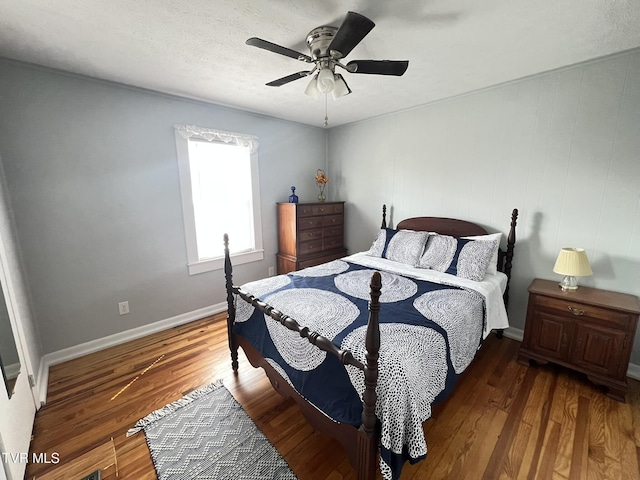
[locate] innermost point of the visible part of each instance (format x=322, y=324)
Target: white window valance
x=239, y=139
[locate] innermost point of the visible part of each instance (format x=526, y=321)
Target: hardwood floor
x=503, y=420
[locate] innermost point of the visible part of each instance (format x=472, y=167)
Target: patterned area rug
x=207, y=435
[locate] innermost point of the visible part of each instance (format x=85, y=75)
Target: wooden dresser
x=589, y=330
x=309, y=234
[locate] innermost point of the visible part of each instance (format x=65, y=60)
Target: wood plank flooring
x=503, y=420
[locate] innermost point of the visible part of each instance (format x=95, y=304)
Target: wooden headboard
x=462, y=228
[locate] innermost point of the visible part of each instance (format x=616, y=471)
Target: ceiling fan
x=328, y=46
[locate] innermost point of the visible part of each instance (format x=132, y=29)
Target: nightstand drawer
x=578, y=309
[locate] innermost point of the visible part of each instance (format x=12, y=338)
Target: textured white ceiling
x=196, y=49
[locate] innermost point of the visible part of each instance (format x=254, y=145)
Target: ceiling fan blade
x=272, y=47
x=353, y=29
x=378, y=67
x=289, y=78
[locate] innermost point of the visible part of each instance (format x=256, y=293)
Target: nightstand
x=588, y=329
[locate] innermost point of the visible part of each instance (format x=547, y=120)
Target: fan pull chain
x=326, y=117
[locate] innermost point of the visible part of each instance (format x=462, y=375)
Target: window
x=220, y=194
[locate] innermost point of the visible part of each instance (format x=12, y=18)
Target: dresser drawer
x=312, y=210
x=332, y=231
x=332, y=220
x=306, y=248
x=338, y=208
x=314, y=234
x=578, y=309
x=306, y=211
x=332, y=242
x=310, y=222
x=320, y=259
x=323, y=209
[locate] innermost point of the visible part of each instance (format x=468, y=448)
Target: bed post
x=231, y=308
x=511, y=241
x=384, y=216
x=368, y=443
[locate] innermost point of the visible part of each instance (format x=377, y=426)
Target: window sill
x=203, y=266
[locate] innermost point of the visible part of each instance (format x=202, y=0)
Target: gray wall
x=562, y=147
x=93, y=180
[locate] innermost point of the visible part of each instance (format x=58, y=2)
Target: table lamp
x=572, y=263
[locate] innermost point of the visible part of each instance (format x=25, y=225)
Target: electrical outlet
x=123, y=308
x=271, y=271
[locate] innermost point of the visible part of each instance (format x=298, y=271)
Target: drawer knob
x=576, y=311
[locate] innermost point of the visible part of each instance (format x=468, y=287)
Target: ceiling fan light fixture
x=325, y=81
x=340, y=88
x=312, y=88
x=328, y=45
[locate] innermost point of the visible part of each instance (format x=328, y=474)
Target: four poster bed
x=366, y=344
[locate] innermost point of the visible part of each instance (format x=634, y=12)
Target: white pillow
x=493, y=263
x=404, y=246
x=378, y=244
x=464, y=258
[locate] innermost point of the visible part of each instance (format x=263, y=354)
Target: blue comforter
x=429, y=334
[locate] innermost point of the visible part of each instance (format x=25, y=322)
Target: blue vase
x=293, y=198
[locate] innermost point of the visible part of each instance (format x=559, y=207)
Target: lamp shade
x=573, y=262
x=312, y=88
x=325, y=80
x=340, y=88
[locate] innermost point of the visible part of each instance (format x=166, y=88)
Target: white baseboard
x=93, y=346
x=12, y=371
x=516, y=334
x=633, y=371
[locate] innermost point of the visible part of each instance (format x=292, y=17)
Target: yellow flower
x=321, y=177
